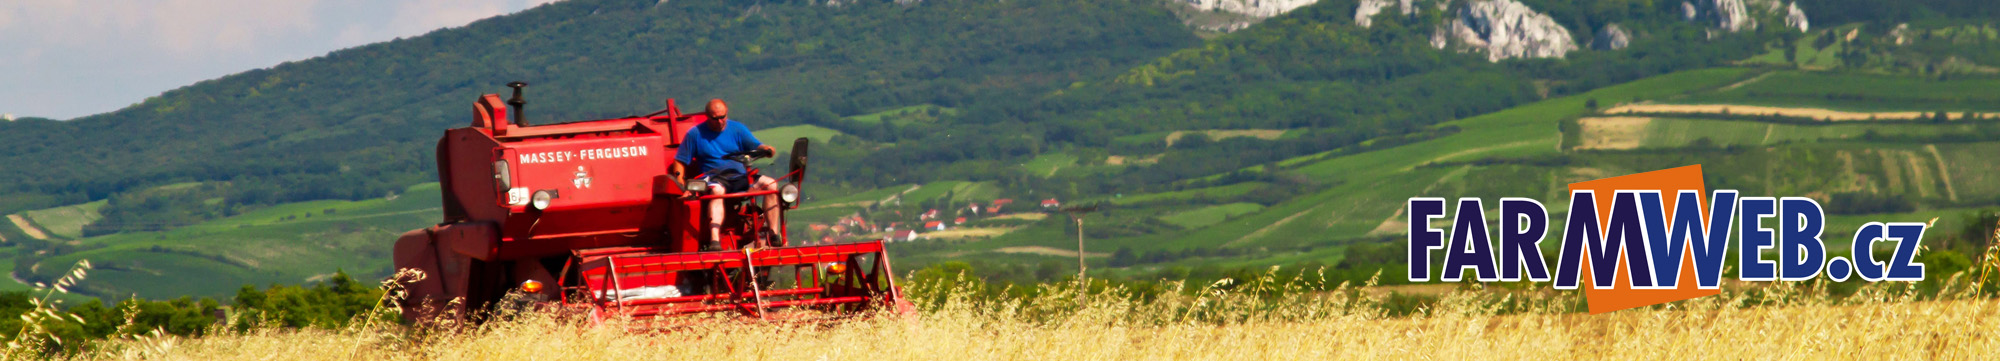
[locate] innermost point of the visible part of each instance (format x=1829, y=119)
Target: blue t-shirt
x=708, y=146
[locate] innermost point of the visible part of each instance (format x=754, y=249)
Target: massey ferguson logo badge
x=1650, y=238
x=582, y=180
x=585, y=154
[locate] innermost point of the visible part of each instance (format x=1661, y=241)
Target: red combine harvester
x=585, y=215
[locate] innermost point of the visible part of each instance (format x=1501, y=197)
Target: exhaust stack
x=520, y=105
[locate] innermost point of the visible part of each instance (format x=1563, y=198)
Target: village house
x=1050, y=203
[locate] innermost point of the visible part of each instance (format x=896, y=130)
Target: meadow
x=1272, y=317
x=289, y=243
x=1856, y=92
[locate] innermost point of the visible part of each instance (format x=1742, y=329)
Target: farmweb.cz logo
x=1651, y=238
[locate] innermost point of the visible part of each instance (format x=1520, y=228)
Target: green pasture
x=277, y=244
x=781, y=137
x=1217, y=192
x=1848, y=91
x=1672, y=132
x=1209, y=215
x=904, y=115
x=1046, y=164
x=66, y=221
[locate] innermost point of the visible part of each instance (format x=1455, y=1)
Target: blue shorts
x=730, y=180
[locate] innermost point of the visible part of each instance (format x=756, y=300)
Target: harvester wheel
x=487, y=286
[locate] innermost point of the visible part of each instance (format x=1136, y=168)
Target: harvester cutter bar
x=628, y=267
x=779, y=256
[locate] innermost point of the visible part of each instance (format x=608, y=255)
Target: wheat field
x=1781, y=321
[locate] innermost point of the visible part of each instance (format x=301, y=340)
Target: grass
x=1257, y=320
x=782, y=136
x=1209, y=215
x=67, y=221
x=1216, y=192
x=1373, y=185
x=1363, y=190
x=1859, y=92
x=816, y=210
x=961, y=192
x=1827, y=58
x=932, y=190
x=1673, y=133
x=904, y=115
x=1046, y=164
x=975, y=192
x=256, y=247
x=1213, y=134
x=870, y=197
x=1142, y=138
x=1362, y=193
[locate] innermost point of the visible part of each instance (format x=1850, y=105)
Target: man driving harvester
x=707, y=148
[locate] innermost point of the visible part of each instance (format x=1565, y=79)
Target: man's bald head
x=718, y=109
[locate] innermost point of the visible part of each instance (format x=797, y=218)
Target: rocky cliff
x=1727, y=15
x=1232, y=15
x=1795, y=18
x=1255, y=8
x=1739, y=15
x=1504, y=29
x=1364, y=15
x=1611, y=37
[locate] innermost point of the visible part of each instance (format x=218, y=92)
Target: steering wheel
x=746, y=157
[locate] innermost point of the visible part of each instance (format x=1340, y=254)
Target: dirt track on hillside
x=1751, y=110
x=1613, y=132
x=954, y=233
x=1050, y=251
x=1265, y=134
x=27, y=228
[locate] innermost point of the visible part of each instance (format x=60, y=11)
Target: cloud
x=176, y=27
x=78, y=57
x=190, y=26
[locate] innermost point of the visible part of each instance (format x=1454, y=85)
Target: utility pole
x=1076, y=213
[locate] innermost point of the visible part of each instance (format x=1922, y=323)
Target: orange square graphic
x=1622, y=296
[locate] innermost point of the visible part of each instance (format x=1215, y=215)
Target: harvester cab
x=584, y=216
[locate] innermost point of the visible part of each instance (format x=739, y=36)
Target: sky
x=64, y=59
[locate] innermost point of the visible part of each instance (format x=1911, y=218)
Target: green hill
x=1291, y=142
x=361, y=122
x=286, y=244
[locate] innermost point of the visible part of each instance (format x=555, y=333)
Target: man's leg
x=771, y=212
x=715, y=216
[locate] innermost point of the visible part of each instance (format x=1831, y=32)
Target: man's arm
x=679, y=173
x=749, y=139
